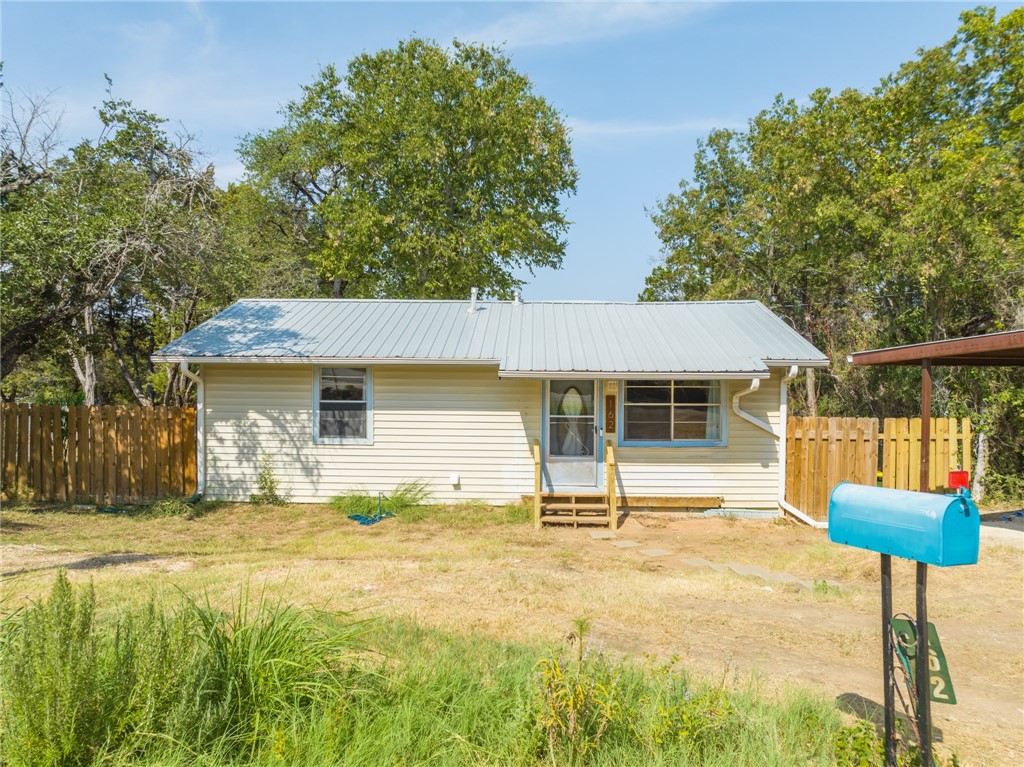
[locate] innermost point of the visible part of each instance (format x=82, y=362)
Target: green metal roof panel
x=565, y=337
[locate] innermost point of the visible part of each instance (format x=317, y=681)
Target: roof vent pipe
x=473, y=292
x=517, y=298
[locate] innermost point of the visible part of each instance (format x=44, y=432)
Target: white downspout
x=200, y=428
x=780, y=436
x=754, y=386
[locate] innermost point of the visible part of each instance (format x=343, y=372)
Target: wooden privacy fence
x=901, y=456
x=108, y=454
x=822, y=452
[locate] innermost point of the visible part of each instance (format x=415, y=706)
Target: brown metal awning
x=991, y=350
x=994, y=349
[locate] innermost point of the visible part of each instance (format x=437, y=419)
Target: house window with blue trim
x=344, y=405
x=672, y=413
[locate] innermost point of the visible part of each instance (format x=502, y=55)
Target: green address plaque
x=906, y=651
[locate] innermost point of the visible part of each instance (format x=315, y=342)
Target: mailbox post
x=941, y=530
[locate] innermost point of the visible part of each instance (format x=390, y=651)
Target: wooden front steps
x=575, y=509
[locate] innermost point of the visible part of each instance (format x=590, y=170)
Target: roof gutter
x=614, y=375
x=780, y=436
x=260, y=360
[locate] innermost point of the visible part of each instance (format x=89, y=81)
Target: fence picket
x=163, y=431
x=149, y=484
x=790, y=458
x=109, y=455
x=965, y=442
x=135, y=467
x=871, y=453
x=60, y=477
x=83, y=453
x=23, y=450
x=10, y=445
x=124, y=453
x=177, y=449
x=96, y=454
x=189, y=458
x=72, y=460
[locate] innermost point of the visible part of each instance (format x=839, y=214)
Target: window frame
x=368, y=386
x=722, y=441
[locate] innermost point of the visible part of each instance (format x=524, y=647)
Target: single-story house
x=496, y=400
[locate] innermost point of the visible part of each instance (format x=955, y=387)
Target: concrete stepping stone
x=749, y=570
x=695, y=562
x=787, y=578
x=603, y=535
x=656, y=552
x=624, y=544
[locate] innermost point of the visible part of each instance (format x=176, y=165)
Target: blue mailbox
x=938, y=530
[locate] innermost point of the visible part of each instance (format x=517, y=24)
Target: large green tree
x=110, y=249
x=887, y=217
x=421, y=172
x=874, y=219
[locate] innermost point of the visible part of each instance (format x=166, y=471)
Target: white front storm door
x=572, y=441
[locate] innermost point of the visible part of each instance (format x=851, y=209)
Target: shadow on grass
x=89, y=563
x=8, y=526
x=870, y=711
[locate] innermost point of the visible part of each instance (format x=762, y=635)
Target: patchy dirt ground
x=473, y=570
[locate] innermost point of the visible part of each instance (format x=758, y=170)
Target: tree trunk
x=130, y=379
x=812, y=394
x=85, y=368
x=980, y=466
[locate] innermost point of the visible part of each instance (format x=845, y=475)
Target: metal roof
x=724, y=338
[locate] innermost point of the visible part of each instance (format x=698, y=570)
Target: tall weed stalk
x=74, y=691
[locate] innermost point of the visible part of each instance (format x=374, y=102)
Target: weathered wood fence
x=901, y=455
x=822, y=452
x=108, y=454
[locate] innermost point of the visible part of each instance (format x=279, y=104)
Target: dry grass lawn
x=485, y=569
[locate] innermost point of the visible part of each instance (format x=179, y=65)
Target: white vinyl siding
x=429, y=422
x=745, y=472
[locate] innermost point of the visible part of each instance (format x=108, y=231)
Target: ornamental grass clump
x=78, y=691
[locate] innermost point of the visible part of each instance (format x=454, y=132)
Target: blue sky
x=638, y=82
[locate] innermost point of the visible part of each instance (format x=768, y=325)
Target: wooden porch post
x=613, y=511
x=926, y=424
x=536, y=484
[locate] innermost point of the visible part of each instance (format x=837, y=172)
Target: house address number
x=609, y=414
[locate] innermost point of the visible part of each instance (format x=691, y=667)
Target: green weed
x=270, y=493
x=406, y=499
x=270, y=684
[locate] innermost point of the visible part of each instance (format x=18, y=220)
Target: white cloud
x=606, y=129
x=558, y=23
x=227, y=169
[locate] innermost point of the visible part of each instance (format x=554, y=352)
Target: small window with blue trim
x=672, y=412
x=343, y=405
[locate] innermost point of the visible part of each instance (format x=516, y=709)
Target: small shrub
x=266, y=481
x=1004, y=487
x=406, y=497
x=671, y=712
x=578, y=698
x=859, y=745
x=166, y=507
x=825, y=590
